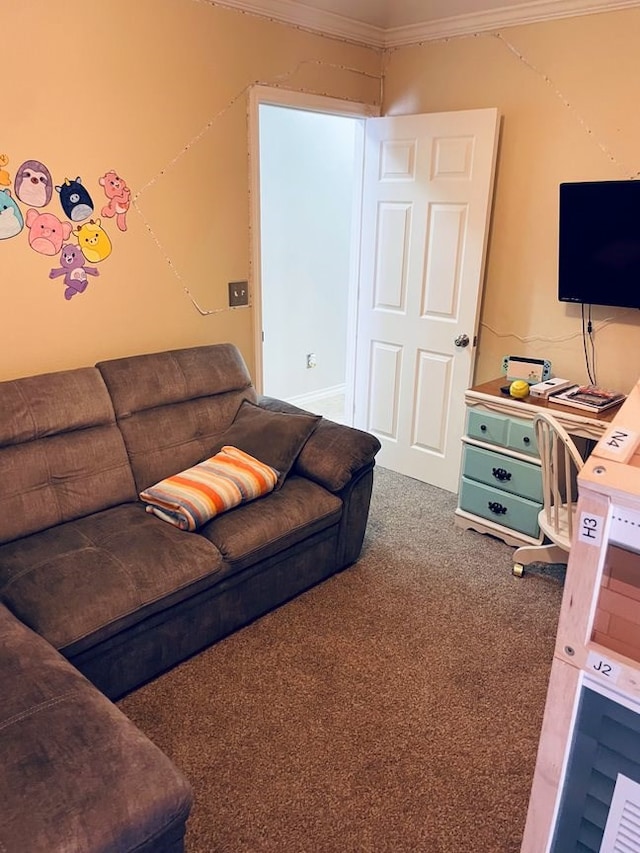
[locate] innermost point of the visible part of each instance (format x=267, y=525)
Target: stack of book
x=588, y=397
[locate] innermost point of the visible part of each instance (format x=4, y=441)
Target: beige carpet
x=395, y=708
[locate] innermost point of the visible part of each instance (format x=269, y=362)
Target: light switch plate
x=238, y=293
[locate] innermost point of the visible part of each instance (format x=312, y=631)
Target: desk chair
x=561, y=463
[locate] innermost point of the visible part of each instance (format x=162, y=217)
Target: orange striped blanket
x=191, y=498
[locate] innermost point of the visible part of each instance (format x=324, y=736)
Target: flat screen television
x=599, y=243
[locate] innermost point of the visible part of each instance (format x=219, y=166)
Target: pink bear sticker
x=46, y=232
x=119, y=196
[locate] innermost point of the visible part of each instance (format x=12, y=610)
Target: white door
x=428, y=182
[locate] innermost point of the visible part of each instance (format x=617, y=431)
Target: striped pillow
x=191, y=498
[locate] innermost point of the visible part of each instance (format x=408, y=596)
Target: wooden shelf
x=597, y=649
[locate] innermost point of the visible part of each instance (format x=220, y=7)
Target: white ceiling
x=388, y=23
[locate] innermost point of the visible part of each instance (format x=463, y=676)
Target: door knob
x=462, y=341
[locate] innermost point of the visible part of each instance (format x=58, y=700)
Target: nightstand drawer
x=522, y=437
x=488, y=427
x=503, y=472
x=499, y=506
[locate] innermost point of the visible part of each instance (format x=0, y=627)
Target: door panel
x=386, y=368
x=433, y=387
x=428, y=182
x=446, y=232
x=394, y=230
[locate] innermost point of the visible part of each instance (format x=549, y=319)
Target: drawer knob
x=501, y=474
x=497, y=508
x=483, y=427
x=526, y=439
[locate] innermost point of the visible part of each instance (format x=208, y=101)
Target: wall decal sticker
x=73, y=269
x=46, y=232
x=75, y=200
x=33, y=184
x=5, y=177
x=119, y=196
x=93, y=240
x=11, y=221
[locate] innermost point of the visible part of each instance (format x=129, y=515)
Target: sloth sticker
x=33, y=184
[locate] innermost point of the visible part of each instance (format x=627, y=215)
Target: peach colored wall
x=567, y=91
x=158, y=91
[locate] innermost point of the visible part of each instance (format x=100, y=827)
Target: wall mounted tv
x=599, y=243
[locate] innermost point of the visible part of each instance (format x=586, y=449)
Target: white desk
x=500, y=486
x=576, y=421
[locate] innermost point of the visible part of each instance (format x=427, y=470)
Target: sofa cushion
x=191, y=498
x=52, y=403
x=84, y=581
x=256, y=531
x=147, y=381
x=173, y=406
x=61, y=453
x=77, y=775
x=333, y=453
x=273, y=437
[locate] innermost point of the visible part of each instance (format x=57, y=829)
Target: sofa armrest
x=334, y=453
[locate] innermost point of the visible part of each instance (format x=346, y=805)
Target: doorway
x=308, y=163
x=306, y=173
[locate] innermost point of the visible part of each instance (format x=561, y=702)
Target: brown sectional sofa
x=118, y=596
x=76, y=774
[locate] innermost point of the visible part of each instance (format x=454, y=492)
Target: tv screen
x=599, y=243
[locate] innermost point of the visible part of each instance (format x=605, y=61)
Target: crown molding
x=512, y=16
x=338, y=26
x=316, y=20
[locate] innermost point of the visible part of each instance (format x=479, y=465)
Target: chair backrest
x=561, y=462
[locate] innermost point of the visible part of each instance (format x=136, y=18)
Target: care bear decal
x=33, y=184
x=75, y=235
x=11, y=221
x=75, y=200
x=119, y=196
x=93, y=240
x=73, y=269
x=46, y=232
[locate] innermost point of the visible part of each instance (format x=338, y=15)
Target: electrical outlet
x=311, y=359
x=238, y=293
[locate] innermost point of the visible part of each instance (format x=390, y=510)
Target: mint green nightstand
x=500, y=483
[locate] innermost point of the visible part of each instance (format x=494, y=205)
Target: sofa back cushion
x=61, y=453
x=172, y=406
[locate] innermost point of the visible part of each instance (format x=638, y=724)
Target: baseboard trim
x=306, y=400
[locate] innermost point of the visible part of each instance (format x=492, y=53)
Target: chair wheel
x=518, y=570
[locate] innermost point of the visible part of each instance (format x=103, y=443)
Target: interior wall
x=307, y=162
x=156, y=90
x=567, y=93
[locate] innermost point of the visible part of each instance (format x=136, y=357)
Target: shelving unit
x=586, y=786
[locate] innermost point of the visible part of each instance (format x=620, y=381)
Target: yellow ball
x=519, y=388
